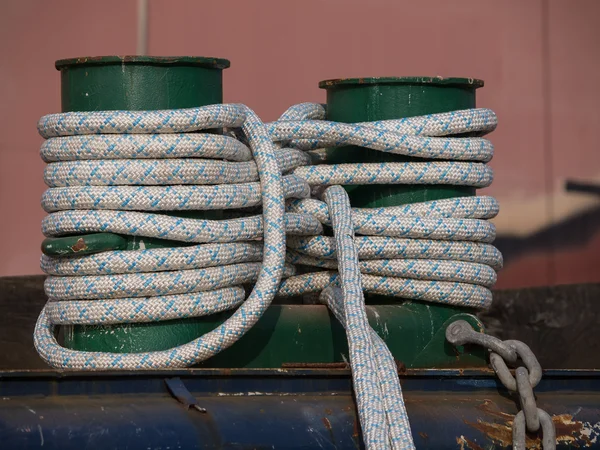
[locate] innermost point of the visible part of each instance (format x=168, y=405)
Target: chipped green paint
x=297, y=334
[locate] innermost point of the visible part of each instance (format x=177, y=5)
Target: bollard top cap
x=343, y=82
x=196, y=61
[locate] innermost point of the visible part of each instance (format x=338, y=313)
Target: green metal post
x=132, y=83
x=139, y=83
x=355, y=100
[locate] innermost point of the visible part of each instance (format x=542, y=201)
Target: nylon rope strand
x=116, y=171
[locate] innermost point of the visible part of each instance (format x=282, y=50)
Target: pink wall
x=544, y=90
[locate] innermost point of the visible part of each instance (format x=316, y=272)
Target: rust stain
x=473, y=445
x=499, y=433
x=490, y=408
x=466, y=443
x=355, y=428
x=328, y=411
x=327, y=424
x=79, y=246
x=305, y=365
x=568, y=431
x=400, y=366
x=423, y=435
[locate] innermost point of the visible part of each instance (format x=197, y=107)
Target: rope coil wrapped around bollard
x=129, y=173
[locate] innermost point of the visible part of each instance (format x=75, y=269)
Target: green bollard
x=354, y=100
x=132, y=83
x=287, y=333
x=140, y=82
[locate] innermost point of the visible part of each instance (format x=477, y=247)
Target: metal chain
x=530, y=418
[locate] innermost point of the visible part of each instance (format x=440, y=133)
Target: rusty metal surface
x=284, y=408
x=300, y=365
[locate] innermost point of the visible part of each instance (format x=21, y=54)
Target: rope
x=120, y=171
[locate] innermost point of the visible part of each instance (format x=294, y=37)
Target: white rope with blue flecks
x=115, y=171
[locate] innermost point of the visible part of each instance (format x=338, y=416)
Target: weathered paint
x=283, y=408
x=568, y=430
x=298, y=334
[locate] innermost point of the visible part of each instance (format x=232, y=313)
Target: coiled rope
x=116, y=171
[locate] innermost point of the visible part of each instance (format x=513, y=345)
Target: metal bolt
x=461, y=332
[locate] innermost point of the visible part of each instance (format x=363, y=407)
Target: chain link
x=531, y=418
x=525, y=390
x=524, y=352
x=548, y=431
